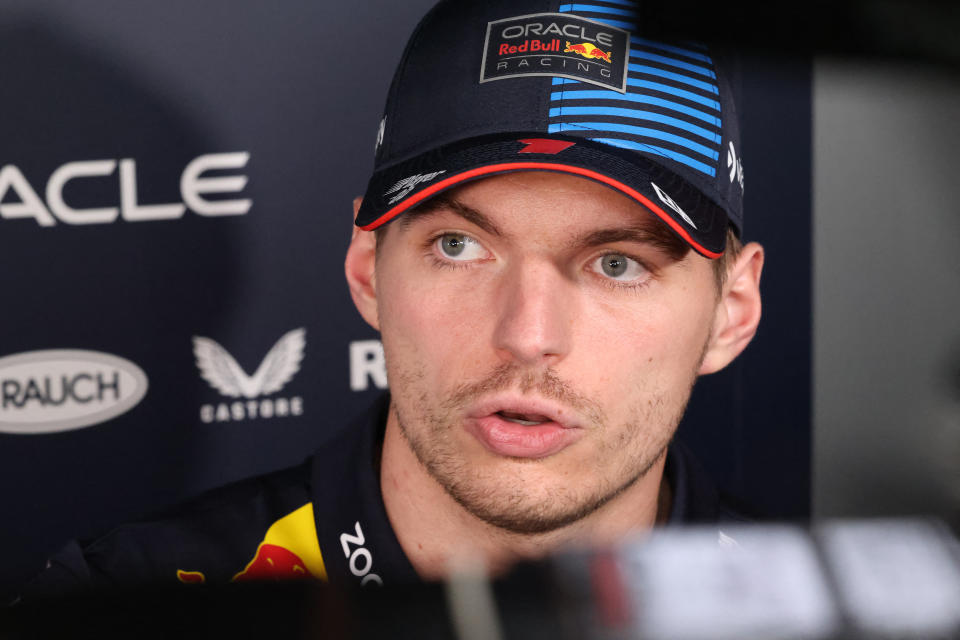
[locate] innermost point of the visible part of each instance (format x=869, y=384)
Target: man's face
x=540, y=347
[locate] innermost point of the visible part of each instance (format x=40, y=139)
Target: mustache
x=544, y=382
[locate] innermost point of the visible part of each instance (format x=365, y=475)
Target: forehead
x=541, y=202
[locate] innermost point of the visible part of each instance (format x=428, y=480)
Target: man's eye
x=459, y=247
x=619, y=267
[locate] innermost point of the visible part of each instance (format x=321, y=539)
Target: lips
x=522, y=428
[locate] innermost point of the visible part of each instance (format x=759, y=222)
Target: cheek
x=440, y=327
x=652, y=341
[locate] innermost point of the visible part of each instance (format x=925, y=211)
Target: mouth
x=522, y=427
x=527, y=420
x=527, y=411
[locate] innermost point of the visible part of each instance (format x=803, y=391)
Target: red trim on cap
x=547, y=166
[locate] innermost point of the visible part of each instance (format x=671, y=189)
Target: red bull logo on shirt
x=289, y=551
x=273, y=562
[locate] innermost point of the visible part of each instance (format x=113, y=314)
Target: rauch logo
x=223, y=373
x=64, y=389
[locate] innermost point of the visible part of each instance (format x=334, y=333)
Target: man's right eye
x=459, y=247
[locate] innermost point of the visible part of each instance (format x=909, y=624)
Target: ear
x=360, y=267
x=738, y=311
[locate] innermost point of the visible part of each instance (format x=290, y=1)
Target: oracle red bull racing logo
x=556, y=44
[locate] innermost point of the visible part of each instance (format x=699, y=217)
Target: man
x=561, y=263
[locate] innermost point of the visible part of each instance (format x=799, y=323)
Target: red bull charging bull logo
x=288, y=551
x=273, y=562
x=589, y=51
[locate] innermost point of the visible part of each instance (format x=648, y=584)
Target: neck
x=436, y=532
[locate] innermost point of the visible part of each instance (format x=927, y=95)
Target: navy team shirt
x=323, y=519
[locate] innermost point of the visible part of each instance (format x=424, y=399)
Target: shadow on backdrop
x=124, y=288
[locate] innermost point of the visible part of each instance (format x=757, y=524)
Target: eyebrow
x=443, y=203
x=654, y=234
x=650, y=232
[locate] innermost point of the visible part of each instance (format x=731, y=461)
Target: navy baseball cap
x=492, y=87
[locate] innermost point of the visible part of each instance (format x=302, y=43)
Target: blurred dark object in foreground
x=847, y=579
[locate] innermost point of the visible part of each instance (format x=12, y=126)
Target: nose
x=535, y=310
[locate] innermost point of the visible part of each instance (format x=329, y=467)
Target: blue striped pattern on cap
x=671, y=107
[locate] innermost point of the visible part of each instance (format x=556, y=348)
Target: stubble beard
x=501, y=497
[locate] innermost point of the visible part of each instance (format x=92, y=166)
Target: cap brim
x=693, y=217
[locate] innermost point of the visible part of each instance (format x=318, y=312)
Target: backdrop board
x=175, y=204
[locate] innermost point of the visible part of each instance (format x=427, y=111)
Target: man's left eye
x=618, y=267
x=456, y=246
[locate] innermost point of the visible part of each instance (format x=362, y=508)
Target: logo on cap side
x=735, y=165
x=402, y=188
x=667, y=200
x=556, y=44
